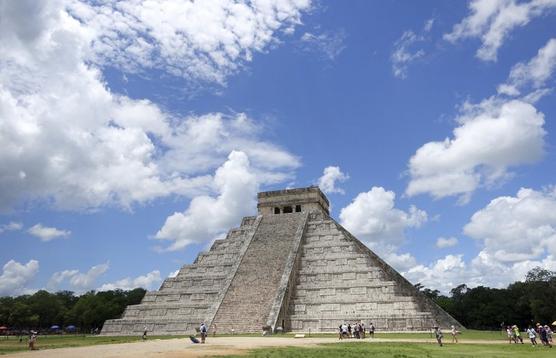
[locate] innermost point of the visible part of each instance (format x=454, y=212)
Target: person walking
x=544, y=336
x=371, y=330
x=454, y=332
x=32, y=340
x=144, y=333
x=510, y=334
x=438, y=335
x=532, y=335
x=517, y=334
x=203, y=330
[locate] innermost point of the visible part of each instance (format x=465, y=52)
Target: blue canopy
x=71, y=327
x=55, y=327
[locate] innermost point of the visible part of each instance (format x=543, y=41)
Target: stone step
x=252, y=291
x=333, y=285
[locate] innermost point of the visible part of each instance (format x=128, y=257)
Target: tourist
x=438, y=335
x=532, y=335
x=32, y=340
x=362, y=330
x=345, y=330
x=203, y=330
x=371, y=330
x=544, y=336
x=517, y=334
x=454, y=333
x=214, y=330
x=341, y=332
x=510, y=334
x=145, y=333
x=548, y=333
x=349, y=330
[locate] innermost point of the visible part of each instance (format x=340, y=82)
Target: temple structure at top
x=290, y=268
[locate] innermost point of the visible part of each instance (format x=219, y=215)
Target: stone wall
x=193, y=296
x=340, y=280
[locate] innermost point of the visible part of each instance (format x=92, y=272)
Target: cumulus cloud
x=517, y=228
x=492, y=137
x=329, y=43
x=483, y=270
x=444, y=242
x=206, y=40
x=443, y=274
x=330, y=176
x=46, y=233
x=494, y=20
x=148, y=282
x=51, y=91
x=76, y=280
x=16, y=276
x=535, y=72
x=11, y=226
x=373, y=218
x=516, y=234
x=209, y=216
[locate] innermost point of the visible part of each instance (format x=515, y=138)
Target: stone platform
x=292, y=267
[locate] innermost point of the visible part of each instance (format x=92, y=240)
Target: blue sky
x=136, y=133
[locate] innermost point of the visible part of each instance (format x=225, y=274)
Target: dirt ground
x=183, y=348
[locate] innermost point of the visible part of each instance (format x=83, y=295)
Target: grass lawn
x=405, y=350
x=12, y=344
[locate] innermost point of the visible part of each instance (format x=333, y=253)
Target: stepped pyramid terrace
x=292, y=268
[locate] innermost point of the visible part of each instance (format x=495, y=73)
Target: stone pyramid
x=290, y=268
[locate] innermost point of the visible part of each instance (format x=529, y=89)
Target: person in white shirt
x=532, y=335
x=454, y=333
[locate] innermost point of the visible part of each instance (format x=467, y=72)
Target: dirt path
x=171, y=348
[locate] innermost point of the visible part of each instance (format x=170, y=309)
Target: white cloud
x=47, y=233
x=174, y=273
x=444, y=242
x=517, y=228
x=76, y=280
x=443, y=275
x=148, y=282
x=330, y=176
x=16, y=276
x=329, y=43
x=492, y=137
x=494, y=20
x=483, y=270
x=206, y=40
x=373, y=218
x=535, y=72
x=404, y=54
x=516, y=234
x=208, y=216
x=50, y=92
x=406, y=49
x=11, y=226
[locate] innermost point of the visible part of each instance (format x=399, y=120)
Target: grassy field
x=380, y=349
x=12, y=344
x=405, y=350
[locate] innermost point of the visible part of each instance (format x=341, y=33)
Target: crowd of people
x=543, y=332
x=357, y=330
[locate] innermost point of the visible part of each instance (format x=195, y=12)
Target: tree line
x=43, y=309
x=523, y=302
